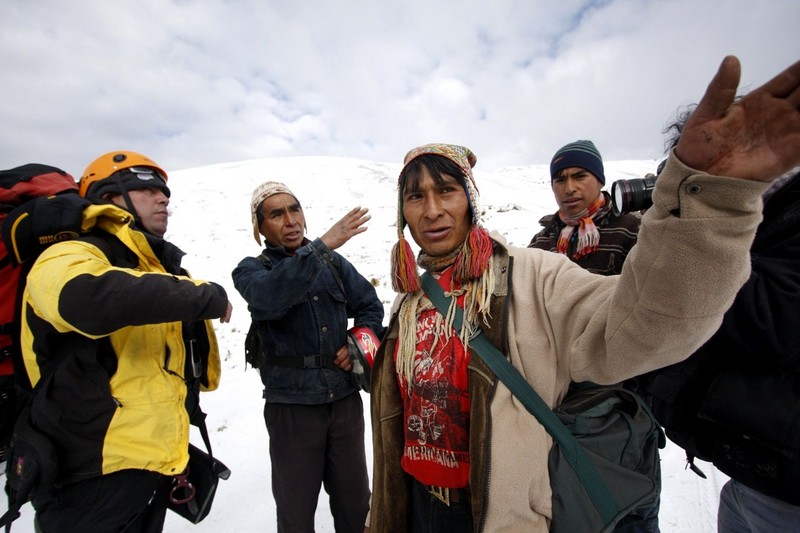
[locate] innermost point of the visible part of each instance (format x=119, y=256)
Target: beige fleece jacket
x=564, y=324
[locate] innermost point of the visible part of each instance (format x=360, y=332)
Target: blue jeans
x=745, y=510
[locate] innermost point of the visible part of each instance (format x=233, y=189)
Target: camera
x=632, y=195
x=636, y=194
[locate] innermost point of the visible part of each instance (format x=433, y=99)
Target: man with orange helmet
x=132, y=181
x=113, y=330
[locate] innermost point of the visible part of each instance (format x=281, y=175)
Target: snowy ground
x=211, y=222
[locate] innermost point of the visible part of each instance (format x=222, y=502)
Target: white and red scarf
x=588, y=235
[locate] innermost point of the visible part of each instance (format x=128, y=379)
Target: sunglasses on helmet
x=145, y=173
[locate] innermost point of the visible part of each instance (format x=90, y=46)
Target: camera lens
x=620, y=190
x=632, y=195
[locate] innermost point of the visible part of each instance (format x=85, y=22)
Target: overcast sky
x=195, y=82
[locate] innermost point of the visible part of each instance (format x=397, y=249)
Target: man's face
x=284, y=222
x=437, y=213
x=151, y=207
x=575, y=188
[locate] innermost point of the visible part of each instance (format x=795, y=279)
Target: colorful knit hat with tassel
x=474, y=256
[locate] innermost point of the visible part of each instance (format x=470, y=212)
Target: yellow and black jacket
x=106, y=333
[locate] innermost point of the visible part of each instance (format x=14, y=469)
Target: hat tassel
x=473, y=259
x=404, y=276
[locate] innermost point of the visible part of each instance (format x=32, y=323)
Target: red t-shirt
x=436, y=412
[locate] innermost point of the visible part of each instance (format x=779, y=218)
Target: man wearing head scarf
x=585, y=228
x=453, y=450
x=117, y=339
x=300, y=294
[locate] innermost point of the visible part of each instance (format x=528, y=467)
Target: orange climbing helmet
x=118, y=170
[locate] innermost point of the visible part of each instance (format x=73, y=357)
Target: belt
x=447, y=495
x=302, y=361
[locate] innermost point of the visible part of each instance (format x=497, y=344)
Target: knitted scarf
x=588, y=235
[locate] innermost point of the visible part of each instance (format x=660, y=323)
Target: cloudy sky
x=197, y=82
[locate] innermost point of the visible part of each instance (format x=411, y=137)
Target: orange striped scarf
x=588, y=235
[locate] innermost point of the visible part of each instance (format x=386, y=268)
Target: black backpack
x=622, y=438
x=733, y=419
x=253, y=354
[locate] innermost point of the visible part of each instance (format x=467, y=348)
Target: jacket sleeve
x=544, y=240
x=270, y=293
x=363, y=304
x=691, y=258
x=74, y=287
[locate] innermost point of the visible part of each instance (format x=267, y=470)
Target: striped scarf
x=588, y=235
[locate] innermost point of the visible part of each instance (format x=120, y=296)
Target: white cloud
x=192, y=82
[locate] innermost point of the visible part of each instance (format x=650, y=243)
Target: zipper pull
x=197, y=365
x=693, y=467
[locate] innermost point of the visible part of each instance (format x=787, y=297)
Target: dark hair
x=436, y=165
x=674, y=130
x=259, y=214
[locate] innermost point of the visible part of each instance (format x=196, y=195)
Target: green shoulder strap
x=572, y=450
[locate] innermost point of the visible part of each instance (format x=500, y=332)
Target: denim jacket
x=300, y=308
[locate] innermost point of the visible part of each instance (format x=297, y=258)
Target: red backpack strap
x=20, y=184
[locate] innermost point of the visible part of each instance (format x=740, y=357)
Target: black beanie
x=582, y=154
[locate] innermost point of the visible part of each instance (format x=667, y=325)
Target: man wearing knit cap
x=300, y=294
x=585, y=228
x=453, y=449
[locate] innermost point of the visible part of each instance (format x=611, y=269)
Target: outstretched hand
x=755, y=138
x=349, y=226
